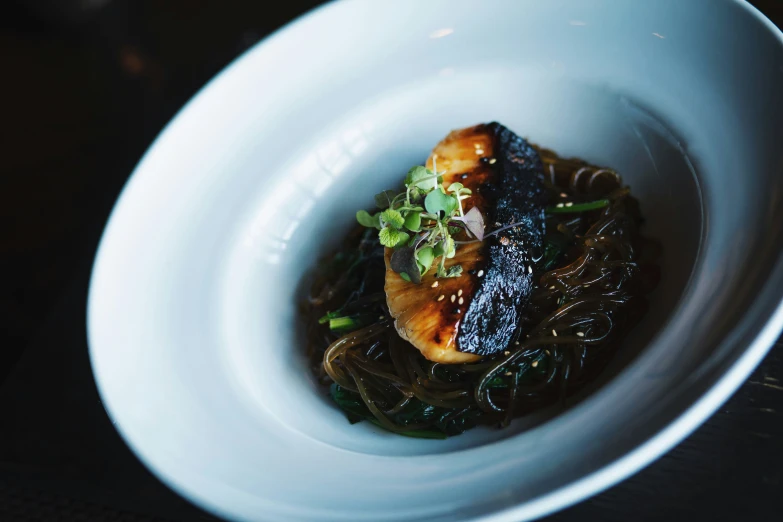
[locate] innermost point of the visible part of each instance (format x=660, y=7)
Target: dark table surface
x=85, y=91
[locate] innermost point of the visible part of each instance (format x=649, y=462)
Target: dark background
x=84, y=92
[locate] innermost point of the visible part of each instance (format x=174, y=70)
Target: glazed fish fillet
x=460, y=319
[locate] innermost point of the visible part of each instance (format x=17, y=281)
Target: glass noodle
x=591, y=283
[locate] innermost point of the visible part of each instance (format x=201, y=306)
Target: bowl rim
x=737, y=355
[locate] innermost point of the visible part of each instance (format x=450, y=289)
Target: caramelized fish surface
x=460, y=319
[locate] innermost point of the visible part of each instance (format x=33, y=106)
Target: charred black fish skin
x=504, y=292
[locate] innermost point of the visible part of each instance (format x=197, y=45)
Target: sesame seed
x=477, y=145
x=559, y=205
x=569, y=204
x=563, y=195
x=587, y=286
x=453, y=298
x=516, y=343
x=506, y=353
x=580, y=334
x=441, y=297
x=380, y=318
x=552, y=287
x=554, y=332
x=480, y=273
x=460, y=292
x=508, y=374
x=534, y=364
x=464, y=176
x=461, y=300
x=492, y=161
x=435, y=284
x=479, y=151
x=547, y=352
x=530, y=269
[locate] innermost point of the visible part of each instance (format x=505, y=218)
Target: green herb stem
x=343, y=323
x=577, y=207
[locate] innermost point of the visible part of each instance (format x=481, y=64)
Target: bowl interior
x=295, y=222
x=192, y=314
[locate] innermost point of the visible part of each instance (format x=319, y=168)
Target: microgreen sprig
x=419, y=223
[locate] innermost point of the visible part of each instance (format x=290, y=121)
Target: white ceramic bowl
x=192, y=313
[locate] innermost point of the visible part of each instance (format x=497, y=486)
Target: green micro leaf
x=366, y=220
x=388, y=237
x=391, y=237
x=436, y=202
x=425, y=257
x=455, y=187
x=417, y=194
x=393, y=218
x=402, y=238
x=384, y=199
x=413, y=221
x=420, y=177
